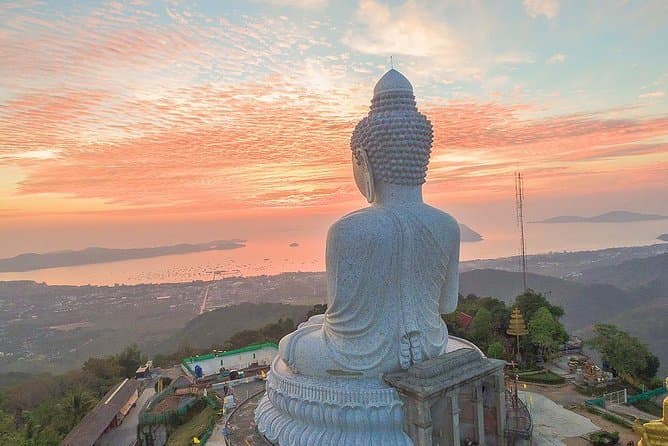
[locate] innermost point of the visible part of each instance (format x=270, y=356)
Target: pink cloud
x=653, y=94
x=194, y=117
x=225, y=149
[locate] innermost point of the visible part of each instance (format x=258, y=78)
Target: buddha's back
x=388, y=270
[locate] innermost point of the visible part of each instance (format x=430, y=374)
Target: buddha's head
x=392, y=143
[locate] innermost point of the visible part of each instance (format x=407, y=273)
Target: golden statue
x=655, y=433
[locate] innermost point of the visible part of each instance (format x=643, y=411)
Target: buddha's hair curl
x=397, y=139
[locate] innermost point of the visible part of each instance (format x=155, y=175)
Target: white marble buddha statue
x=392, y=268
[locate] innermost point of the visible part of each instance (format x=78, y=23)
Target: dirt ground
x=564, y=394
x=169, y=403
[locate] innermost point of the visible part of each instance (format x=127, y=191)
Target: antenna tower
x=519, y=202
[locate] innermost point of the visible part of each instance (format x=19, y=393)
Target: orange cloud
x=126, y=114
x=208, y=149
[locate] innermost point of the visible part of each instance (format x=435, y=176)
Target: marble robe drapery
x=386, y=273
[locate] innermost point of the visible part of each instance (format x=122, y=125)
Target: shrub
x=604, y=438
x=546, y=377
x=496, y=350
x=650, y=407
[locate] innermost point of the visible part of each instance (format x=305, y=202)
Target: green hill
x=648, y=274
x=647, y=323
x=584, y=304
x=215, y=327
x=641, y=313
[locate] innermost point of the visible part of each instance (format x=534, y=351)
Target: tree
x=481, y=327
x=500, y=312
x=129, y=360
x=269, y=333
x=244, y=338
x=650, y=370
x=77, y=404
x=625, y=354
x=101, y=373
x=545, y=332
x=8, y=434
x=495, y=350
x=530, y=301
x=274, y=332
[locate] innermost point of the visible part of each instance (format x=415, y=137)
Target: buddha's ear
x=363, y=174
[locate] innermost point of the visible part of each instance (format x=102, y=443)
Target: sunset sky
x=136, y=123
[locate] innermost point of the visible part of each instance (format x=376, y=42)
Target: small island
x=663, y=237
x=608, y=217
x=57, y=259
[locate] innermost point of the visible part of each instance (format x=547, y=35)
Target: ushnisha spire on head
x=395, y=136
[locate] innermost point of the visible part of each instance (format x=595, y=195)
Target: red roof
x=464, y=320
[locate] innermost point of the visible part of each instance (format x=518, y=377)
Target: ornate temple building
x=379, y=368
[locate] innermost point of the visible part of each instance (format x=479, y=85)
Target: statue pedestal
x=459, y=395
x=305, y=411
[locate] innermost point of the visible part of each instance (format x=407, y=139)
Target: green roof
x=248, y=348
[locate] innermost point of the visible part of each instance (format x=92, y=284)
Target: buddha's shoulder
x=376, y=221
x=442, y=219
x=372, y=221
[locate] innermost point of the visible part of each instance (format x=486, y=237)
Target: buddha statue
x=392, y=270
x=655, y=433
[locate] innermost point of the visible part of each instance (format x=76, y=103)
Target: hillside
x=584, y=304
x=568, y=264
x=646, y=322
x=215, y=327
x=608, y=217
x=32, y=261
x=648, y=275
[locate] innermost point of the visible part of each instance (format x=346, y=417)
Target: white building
x=211, y=363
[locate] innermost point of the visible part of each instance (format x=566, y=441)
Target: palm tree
x=78, y=404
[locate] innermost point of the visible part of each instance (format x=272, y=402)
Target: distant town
x=55, y=328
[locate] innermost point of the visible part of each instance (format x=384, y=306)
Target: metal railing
x=518, y=417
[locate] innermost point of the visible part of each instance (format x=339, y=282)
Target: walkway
x=241, y=425
x=552, y=424
x=126, y=433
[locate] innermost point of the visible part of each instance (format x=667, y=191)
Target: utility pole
x=519, y=202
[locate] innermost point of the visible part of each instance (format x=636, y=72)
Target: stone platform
x=457, y=396
x=338, y=411
x=447, y=400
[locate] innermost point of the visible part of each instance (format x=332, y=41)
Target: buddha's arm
x=450, y=289
x=347, y=250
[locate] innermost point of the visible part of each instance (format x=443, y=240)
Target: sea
x=270, y=257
